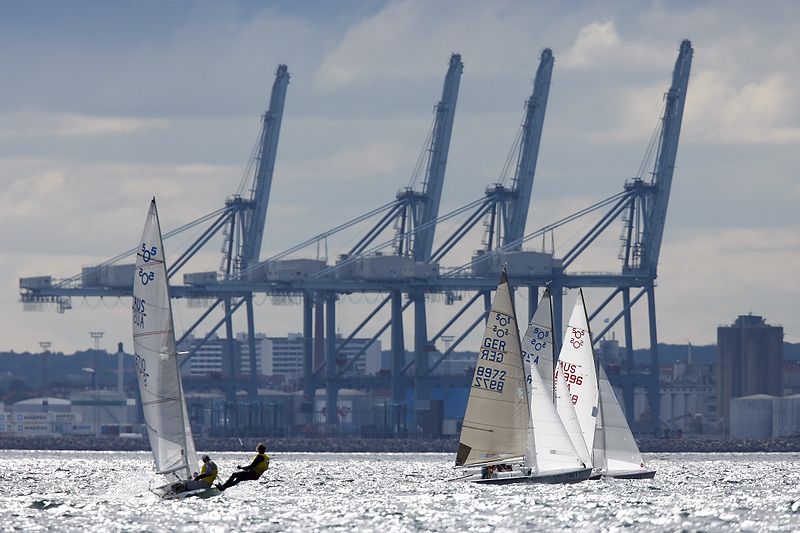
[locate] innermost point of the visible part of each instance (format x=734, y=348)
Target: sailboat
x=603, y=425
x=616, y=453
x=160, y=386
x=511, y=430
x=538, y=351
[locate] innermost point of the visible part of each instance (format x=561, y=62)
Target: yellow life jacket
x=209, y=472
x=261, y=467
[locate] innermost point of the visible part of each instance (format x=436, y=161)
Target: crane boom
x=428, y=208
x=262, y=183
x=529, y=152
x=656, y=211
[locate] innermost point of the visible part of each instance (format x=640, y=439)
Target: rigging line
x=394, y=240
x=250, y=163
x=512, y=157
x=319, y=237
x=423, y=156
x=77, y=277
x=652, y=145
x=537, y=233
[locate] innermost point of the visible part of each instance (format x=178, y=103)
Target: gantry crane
x=415, y=271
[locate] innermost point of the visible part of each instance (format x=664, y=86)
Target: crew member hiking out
x=252, y=471
x=205, y=478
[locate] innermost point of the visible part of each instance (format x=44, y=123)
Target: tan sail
x=496, y=421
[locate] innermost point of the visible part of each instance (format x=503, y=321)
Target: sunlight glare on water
x=301, y=492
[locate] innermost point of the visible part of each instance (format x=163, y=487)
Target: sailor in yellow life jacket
x=252, y=471
x=206, y=477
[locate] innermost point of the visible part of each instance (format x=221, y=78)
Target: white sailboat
x=603, y=425
x=160, y=386
x=538, y=352
x=576, y=366
x=511, y=429
x=616, y=453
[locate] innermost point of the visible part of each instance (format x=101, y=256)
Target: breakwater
x=373, y=445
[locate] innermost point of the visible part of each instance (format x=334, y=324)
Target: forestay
x=156, y=360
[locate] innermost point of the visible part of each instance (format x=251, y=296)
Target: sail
x=537, y=343
x=496, y=420
x=160, y=384
x=570, y=419
x=554, y=450
x=576, y=361
x=615, y=449
x=537, y=352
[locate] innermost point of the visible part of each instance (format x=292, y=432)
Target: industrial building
x=761, y=416
x=749, y=362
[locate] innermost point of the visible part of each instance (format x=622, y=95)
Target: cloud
x=721, y=110
x=35, y=124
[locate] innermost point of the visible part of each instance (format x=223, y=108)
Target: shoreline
x=374, y=445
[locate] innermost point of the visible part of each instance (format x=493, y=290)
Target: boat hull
x=571, y=476
x=517, y=476
x=172, y=491
x=639, y=474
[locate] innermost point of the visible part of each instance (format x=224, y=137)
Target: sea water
x=383, y=492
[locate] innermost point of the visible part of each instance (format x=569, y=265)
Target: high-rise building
x=207, y=359
x=283, y=356
x=749, y=361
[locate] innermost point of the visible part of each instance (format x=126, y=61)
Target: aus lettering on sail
x=139, y=311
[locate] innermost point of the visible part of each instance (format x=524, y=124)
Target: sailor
x=206, y=477
x=252, y=471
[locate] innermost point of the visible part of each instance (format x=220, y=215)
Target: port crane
x=412, y=269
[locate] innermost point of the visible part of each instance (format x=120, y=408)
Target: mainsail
x=554, y=450
x=550, y=445
x=160, y=384
x=537, y=343
x=576, y=362
x=496, y=420
x=615, y=449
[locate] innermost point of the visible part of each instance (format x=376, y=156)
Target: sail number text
x=141, y=367
x=571, y=377
x=139, y=311
x=489, y=378
x=493, y=350
x=147, y=255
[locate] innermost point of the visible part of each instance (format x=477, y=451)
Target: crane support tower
x=399, y=256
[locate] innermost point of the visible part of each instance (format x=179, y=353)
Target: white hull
x=525, y=476
x=629, y=474
x=172, y=491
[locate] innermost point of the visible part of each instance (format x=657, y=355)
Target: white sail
x=570, y=419
x=576, y=361
x=537, y=343
x=496, y=420
x=160, y=384
x=553, y=448
x=615, y=449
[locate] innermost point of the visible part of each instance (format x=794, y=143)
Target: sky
x=104, y=105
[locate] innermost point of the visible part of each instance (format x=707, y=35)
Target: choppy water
x=303, y=492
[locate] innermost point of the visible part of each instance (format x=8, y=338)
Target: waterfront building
x=749, y=362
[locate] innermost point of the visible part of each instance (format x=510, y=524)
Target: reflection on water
x=108, y=491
